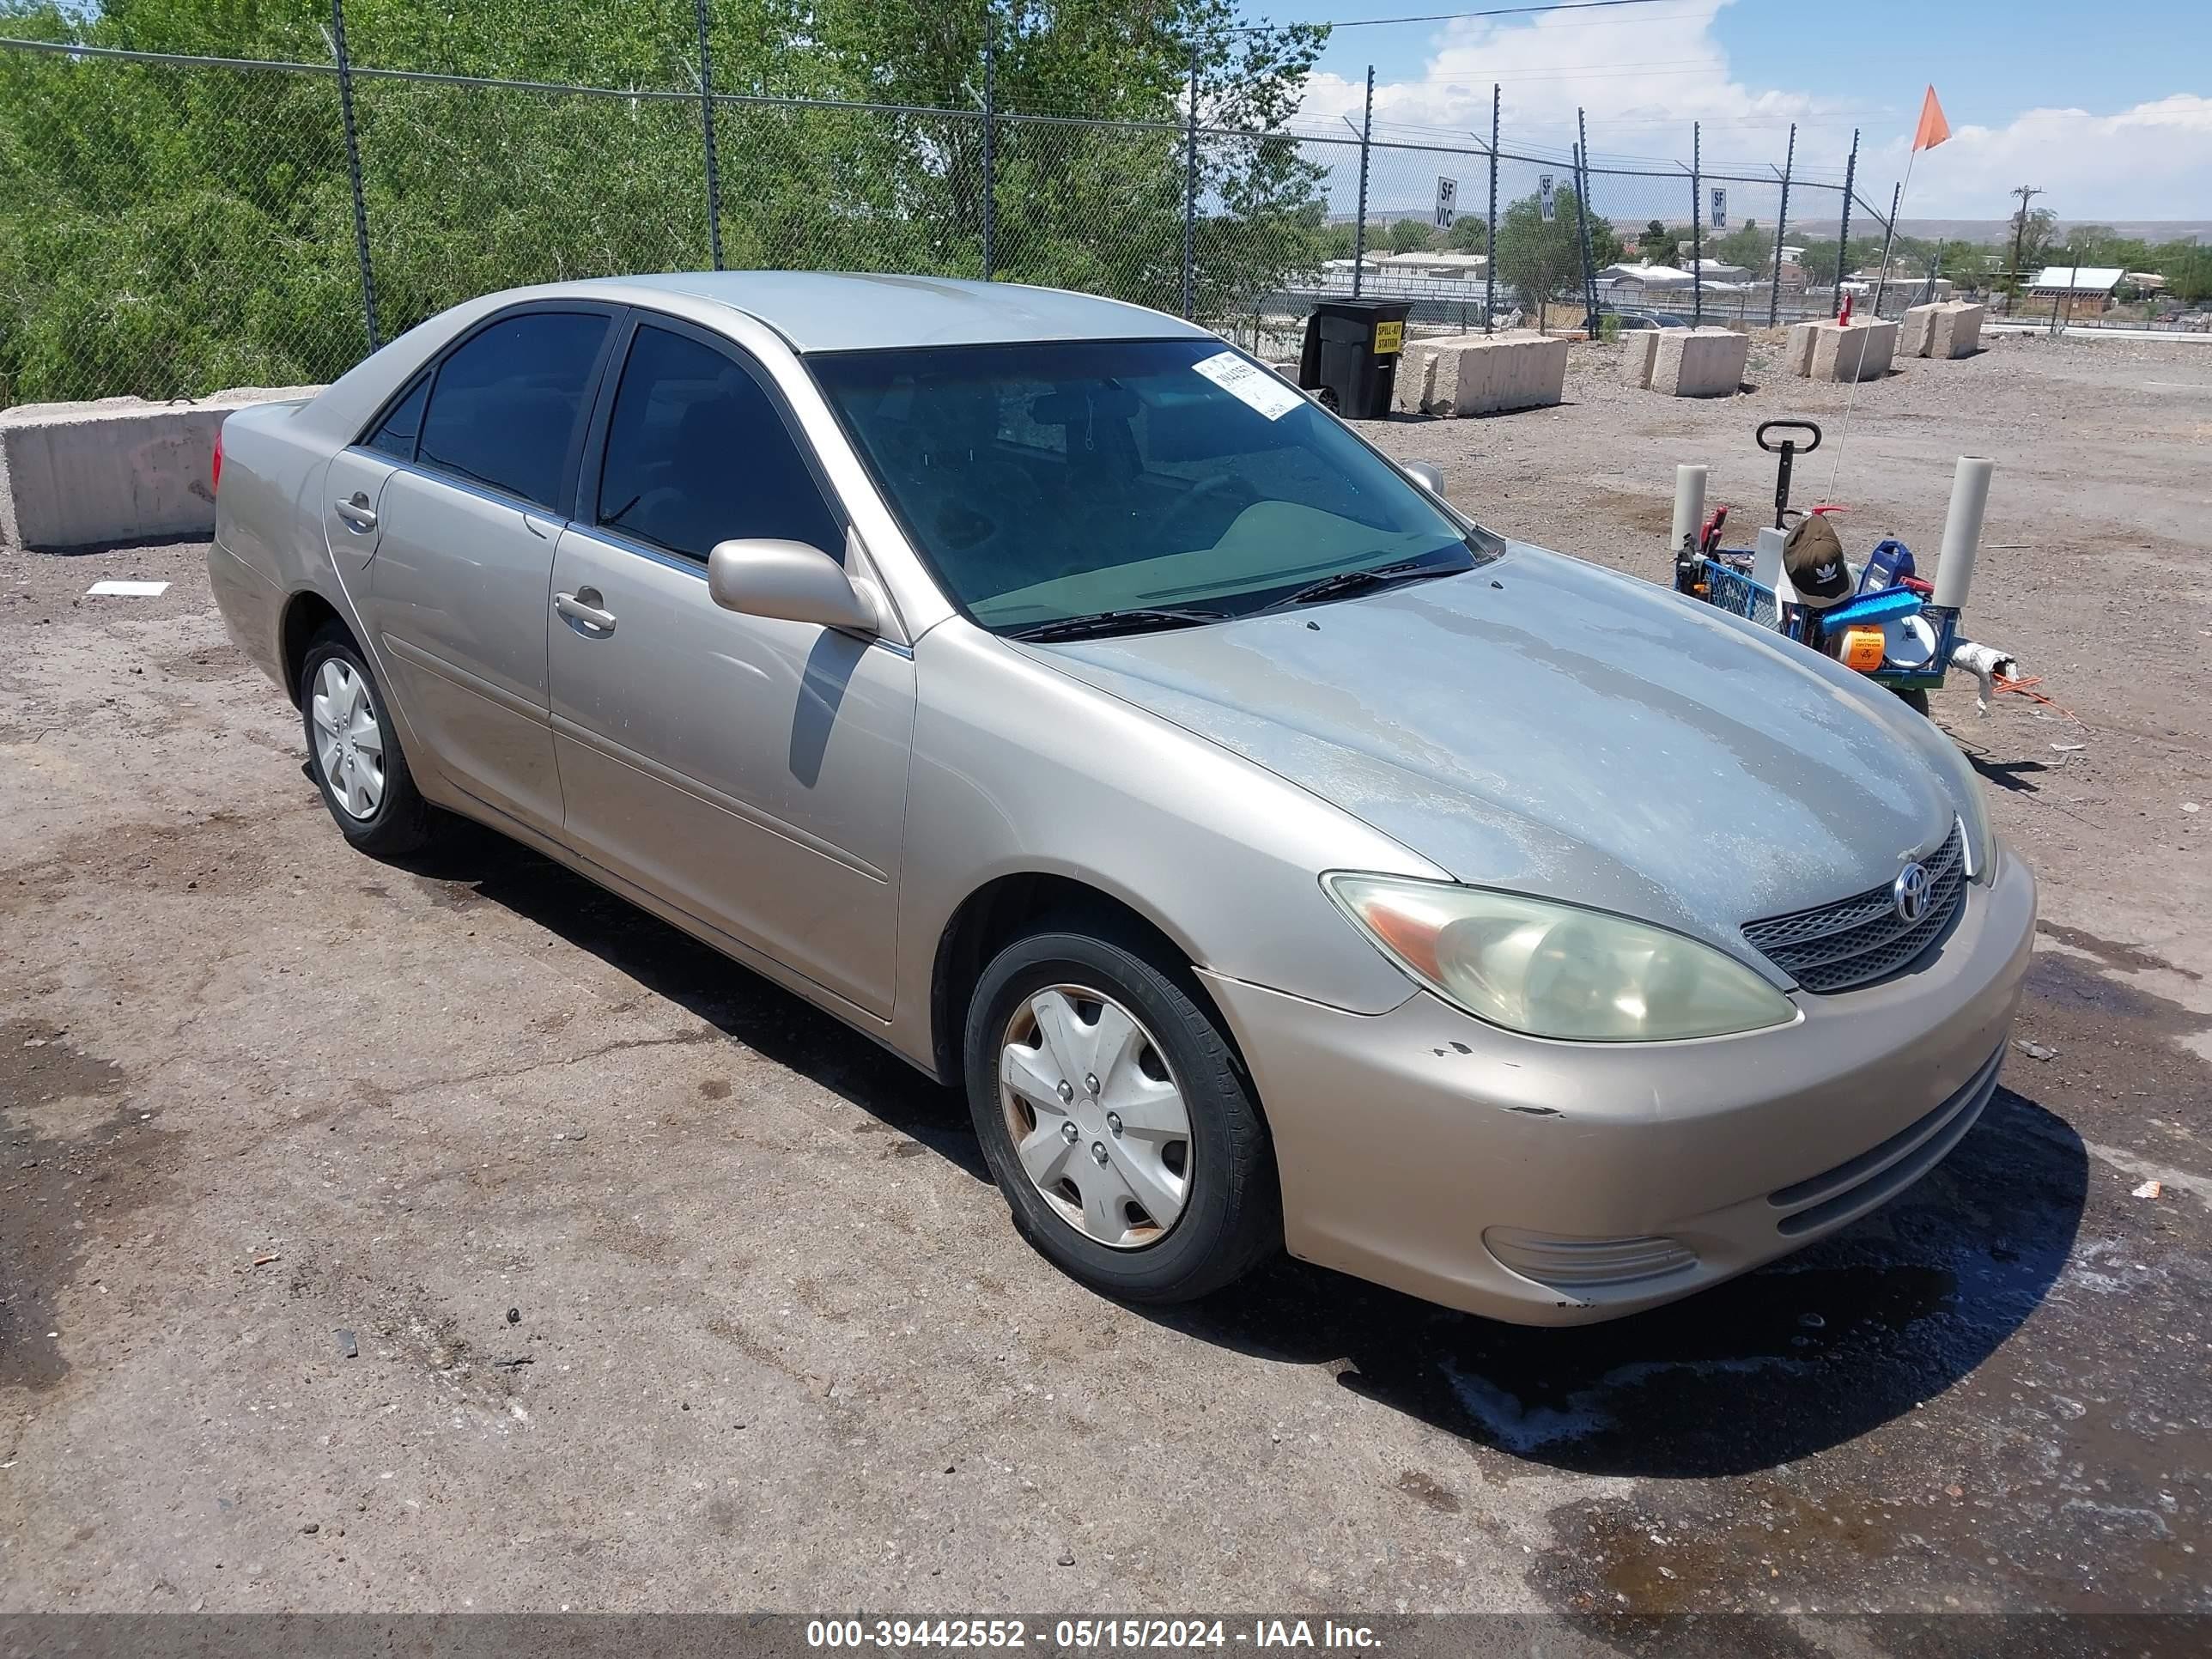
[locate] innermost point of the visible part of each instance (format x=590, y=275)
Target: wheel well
x=1001, y=911
x=305, y=616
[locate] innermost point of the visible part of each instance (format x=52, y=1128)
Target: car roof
x=860, y=310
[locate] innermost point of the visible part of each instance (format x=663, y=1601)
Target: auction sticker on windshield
x=1263, y=389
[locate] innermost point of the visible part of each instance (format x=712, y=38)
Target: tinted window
x=697, y=453
x=396, y=435
x=1059, y=479
x=507, y=404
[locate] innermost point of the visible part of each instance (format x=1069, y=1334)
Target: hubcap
x=1098, y=1119
x=348, y=741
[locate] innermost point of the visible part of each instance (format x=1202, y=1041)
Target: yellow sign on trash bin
x=1390, y=339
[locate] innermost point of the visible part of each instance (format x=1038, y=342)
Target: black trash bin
x=1351, y=354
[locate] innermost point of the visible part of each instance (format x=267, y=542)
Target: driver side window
x=697, y=452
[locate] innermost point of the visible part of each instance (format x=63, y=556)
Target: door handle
x=583, y=606
x=356, y=510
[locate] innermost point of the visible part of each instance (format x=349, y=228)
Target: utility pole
x=2026, y=194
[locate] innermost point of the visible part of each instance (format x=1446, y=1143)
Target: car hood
x=1547, y=726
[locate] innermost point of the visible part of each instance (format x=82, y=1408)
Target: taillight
x=214, y=473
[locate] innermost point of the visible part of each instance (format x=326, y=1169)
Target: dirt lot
x=455, y=1237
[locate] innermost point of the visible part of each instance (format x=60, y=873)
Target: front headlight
x=1557, y=970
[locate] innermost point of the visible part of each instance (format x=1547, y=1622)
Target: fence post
x=1490, y=235
x=1696, y=234
x=1359, y=230
x=1781, y=230
x=1888, y=242
x=707, y=127
x=1582, y=214
x=353, y=173
x=1844, y=234
x=1190, y=194
x=990, y=143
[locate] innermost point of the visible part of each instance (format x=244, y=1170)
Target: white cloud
x=1645, y=77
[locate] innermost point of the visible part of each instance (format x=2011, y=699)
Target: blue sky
x=2116, y=126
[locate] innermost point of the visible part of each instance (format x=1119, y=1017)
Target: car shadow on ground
x=772, y=1022
x=1778, y=1365
x=1785, y=1361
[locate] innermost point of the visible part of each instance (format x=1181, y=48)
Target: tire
x=1915, y=699
x=377, y=808
x=1230, y=1214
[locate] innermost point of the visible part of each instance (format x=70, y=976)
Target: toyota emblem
x=1909, y=893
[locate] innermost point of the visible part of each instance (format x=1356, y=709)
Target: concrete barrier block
x=1797, y=355
x=1914, y=333
x=1700, y=362
x=1637, y=351
x=114, y=470
x=1862, y=351
x=1958, y=330
x=1417, y=371
x=1474, y=375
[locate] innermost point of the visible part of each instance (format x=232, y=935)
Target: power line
x=1453, y=16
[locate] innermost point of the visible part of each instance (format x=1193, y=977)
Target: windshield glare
x=1056, y=480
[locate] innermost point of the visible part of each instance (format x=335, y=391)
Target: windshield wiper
x=1114, y=621
x=1371, y=576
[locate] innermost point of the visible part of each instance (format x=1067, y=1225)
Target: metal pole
x=1780, y=228
x=706, y=127
x=1359, y=230
x=353, y=174
x=1190, y=194
x=1697, y=230
x=990, y=143
x=1582, y=214
x=1888, y=241
x=1844, y=236
x=1490, y=235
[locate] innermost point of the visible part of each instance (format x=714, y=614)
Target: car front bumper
x=1414, y=1145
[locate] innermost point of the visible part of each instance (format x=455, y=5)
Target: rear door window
x=510, y=401
x=698, y=452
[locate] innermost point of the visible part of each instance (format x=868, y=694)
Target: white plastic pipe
x=1962, y=529
x=1689, y=506
x=1767, y=567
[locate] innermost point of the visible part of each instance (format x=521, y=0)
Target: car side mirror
x=1425, y=476
x=791, y=582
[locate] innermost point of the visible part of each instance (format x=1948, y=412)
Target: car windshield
x=1143, y=482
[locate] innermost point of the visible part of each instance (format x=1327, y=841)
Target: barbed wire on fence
x=174, y=220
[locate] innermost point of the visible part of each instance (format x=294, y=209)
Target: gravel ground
x=453, y=1236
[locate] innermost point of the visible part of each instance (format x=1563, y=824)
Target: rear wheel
x=1116, y=1121
x=354, y=752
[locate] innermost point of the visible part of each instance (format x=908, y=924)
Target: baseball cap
x=1813, y=558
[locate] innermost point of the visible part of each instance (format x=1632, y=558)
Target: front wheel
x=1116, y=1120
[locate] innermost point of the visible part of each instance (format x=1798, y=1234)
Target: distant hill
x=1995, y=231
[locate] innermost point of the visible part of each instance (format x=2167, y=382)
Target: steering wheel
x=1206, y=493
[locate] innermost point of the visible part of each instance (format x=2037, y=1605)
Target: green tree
x=167, y=230
x=1540, y=261
x=1469, y=234
x=1658, y=245
x=1411, y=235
x=1747, y=245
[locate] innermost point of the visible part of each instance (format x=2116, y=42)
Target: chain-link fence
x=172, y=222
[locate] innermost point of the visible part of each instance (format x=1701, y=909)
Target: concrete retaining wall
x=1637, y=350
x=1700, y=362
x=1475, y=375
x=116, y=470
x=1915, y=332
x=1862, y=351
x=1958, y=330
x=1797, y=355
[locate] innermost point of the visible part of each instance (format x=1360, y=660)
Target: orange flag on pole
x=1933, y=129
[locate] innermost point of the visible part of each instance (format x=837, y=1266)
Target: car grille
x=1838, y=946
